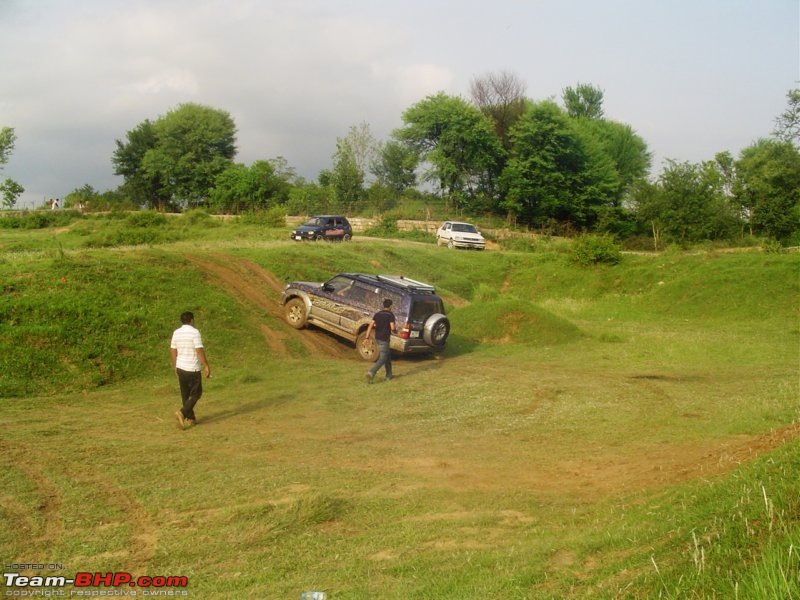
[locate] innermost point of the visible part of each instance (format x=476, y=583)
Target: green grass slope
x=615, y=432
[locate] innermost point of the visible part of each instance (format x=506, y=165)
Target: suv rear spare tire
x=436, y=330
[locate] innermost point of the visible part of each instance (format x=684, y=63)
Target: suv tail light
x=405, y=332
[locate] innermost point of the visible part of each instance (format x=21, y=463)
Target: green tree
x=143, y=187
x=239, y=188
x=175, y=160
x=650, y=210
x=627, y=150
x=395, y=167
x=459, y=144
x=10, y=190
x=584, y=100
x=557, y=171
x=84, y=197
x=767, y=187
x=282, y=169
x=7, y=140
x=787, y=125
x=362, y=146
x=687, y=204
x=308, y=198
x=347, y=178
x=355, y=154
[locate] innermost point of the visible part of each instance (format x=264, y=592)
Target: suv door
x=360, y=300
x=330, y=301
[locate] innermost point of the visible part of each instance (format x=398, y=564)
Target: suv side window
x=374, y=297
x=359, y=294
x=340, y=286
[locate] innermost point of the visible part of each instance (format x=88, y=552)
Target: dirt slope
x=259, y=291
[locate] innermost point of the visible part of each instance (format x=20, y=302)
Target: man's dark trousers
x=191, y=383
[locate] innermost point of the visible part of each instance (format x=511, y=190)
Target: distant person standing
x=188, y=357
x=383, y=322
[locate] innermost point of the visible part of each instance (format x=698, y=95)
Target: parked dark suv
x=345, y=305
x=324, y=227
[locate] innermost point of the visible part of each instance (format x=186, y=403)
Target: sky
x=692, y=77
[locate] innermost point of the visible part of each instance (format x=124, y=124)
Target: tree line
x=552, y=166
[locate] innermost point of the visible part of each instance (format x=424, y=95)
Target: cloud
x=296, y=75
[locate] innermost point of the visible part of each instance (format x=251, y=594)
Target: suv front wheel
x=436, y=330
x=296, y=314
x=367, y=349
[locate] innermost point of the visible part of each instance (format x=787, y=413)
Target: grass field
x=613, y=432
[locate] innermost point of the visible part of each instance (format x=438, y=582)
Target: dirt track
x=259, y=291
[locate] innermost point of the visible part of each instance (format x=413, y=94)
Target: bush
x=772, y=246
x=145, y=219
x=273, y=217
x=594, y=249
x=386, y=226
x=40, y=219
x=542, y=243
x=198, y=216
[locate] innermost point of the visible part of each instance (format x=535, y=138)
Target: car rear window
x=422, y=307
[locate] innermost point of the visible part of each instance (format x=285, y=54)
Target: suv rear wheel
x=436, y=330
x=296, y=313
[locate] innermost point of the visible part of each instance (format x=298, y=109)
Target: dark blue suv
x=324, y=227
x=345, y=304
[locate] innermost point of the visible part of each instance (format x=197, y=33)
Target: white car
x=459, y=235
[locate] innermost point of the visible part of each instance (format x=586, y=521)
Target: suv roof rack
x=406, y=283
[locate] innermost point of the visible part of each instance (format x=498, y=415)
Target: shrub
x=772, y=246
x=387, y=225
x=40, y=219
x=145, y=218
x=273, y=217
x=594, y=249
x=198, y=216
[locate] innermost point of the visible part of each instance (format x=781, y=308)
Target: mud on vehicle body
x=345, y=304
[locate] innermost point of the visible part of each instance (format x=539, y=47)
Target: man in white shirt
x=188, y=356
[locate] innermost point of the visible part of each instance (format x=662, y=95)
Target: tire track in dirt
x=259, y=291
x=137, y=553
x=48, y=506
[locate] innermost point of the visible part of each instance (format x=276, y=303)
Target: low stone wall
x=362, y=224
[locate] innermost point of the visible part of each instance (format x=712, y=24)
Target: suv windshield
x=466, y=228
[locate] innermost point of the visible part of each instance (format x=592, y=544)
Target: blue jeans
x=384, y=359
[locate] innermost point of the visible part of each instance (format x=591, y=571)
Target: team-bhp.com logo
x=30, y=586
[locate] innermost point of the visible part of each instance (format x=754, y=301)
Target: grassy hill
x=625, y=431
